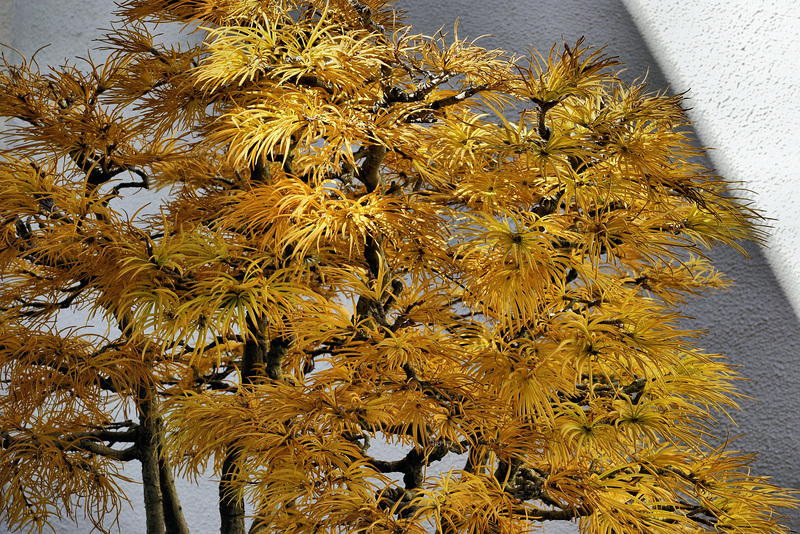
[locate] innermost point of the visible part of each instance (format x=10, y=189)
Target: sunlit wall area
x=740, y=66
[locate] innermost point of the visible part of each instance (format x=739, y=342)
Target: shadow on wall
x=752, y=324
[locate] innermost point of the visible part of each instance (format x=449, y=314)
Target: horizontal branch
x=102, y=382
x=37, y=308
x=90, y=441
x=98, y=448
x=104, y=434
x=413, y=462
x=459, y=97
x=556, y=515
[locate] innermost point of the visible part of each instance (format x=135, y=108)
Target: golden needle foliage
x=365, y=234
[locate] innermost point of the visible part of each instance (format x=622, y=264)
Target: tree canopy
x=364, y=234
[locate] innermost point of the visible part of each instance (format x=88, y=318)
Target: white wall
x=740, y=63
x=741, y=60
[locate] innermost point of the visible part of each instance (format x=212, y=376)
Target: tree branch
x=369, y=173
x=84, y=441
x=412, y=464
x=459, y=97
x=365, y=14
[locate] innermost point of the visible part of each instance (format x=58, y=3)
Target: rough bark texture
x=256, y=350
x=254, y=361
x=231, y=504
x=273, y=366
x=262, y=358
x=369, y=173
x=148, y=454
x=174, y=520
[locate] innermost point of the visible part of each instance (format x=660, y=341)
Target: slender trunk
x=148, y=454
x=256, y=350
x=262, y=357
x=173, y=511
x=231, y=503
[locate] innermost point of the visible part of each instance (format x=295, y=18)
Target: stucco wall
x=6, y=20
x=740, y=59
x=740, y=63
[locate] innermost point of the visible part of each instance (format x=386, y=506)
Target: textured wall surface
x=6, y=20
x=741, y=62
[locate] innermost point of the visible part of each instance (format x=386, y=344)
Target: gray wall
x=741, y=59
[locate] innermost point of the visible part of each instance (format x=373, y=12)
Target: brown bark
x=231, y=503
x=148, y=454
x=256, y=350
x=174, y=520
x=369, y=174
x=278, y=347
x=261, y=358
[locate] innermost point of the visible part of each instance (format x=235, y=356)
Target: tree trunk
x=148, y=448
x=174, y=520
x=256, y=350
x=231, y=503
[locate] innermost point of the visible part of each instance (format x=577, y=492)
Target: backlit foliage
x=365, y=234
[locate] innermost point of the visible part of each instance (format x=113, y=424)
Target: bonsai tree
x=364, y=235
